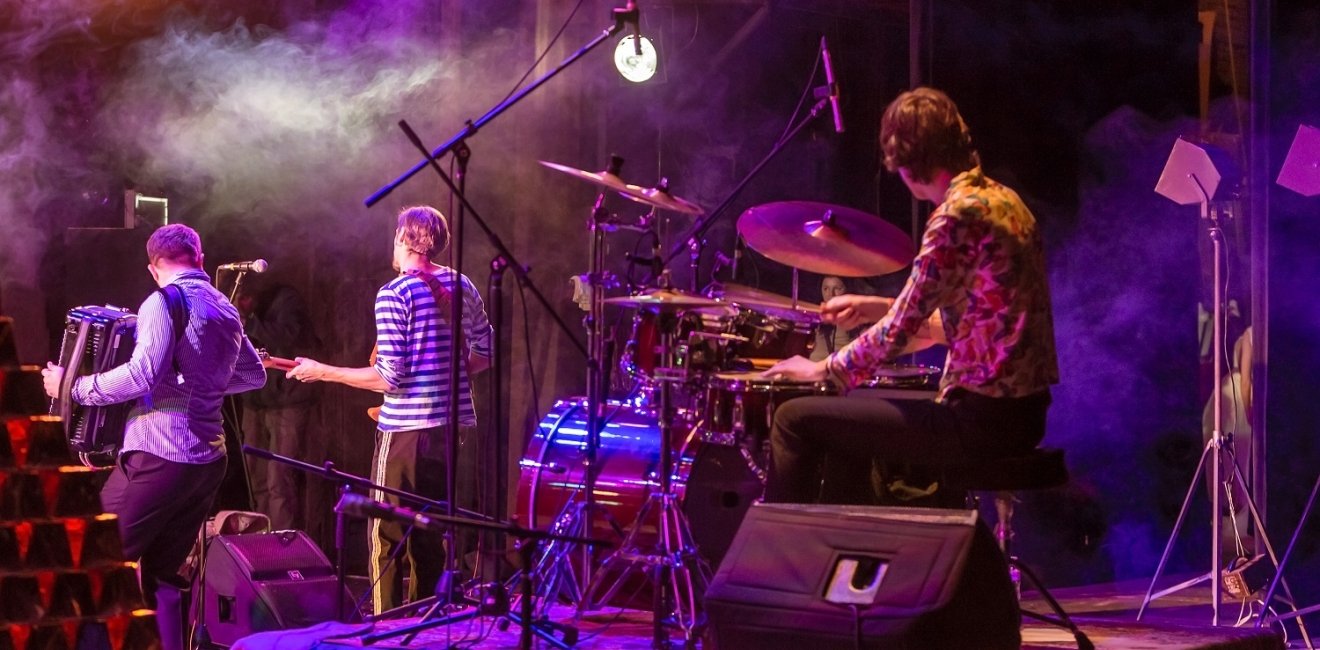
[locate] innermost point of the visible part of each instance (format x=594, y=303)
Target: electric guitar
x=278, y=363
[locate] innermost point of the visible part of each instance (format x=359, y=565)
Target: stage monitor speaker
x=267, y=581
x=815, y=576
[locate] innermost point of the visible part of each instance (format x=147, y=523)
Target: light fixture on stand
x=635, y=58
x=1192, y=175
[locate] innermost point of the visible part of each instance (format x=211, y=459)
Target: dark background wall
x=267, y=125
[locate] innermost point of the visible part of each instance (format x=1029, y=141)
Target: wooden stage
x=1105, y=613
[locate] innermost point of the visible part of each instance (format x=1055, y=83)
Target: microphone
x=255, y=266
x=833, y=85
x=356, y=505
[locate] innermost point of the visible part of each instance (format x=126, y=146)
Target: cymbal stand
x=1215, y=448
x=695, y=245
x=701, y=227
x=554, y=569
x=678, y=574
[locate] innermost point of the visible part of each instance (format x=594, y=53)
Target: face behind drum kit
x=674, y=465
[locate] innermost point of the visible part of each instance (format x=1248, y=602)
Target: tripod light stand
x=1191, y=176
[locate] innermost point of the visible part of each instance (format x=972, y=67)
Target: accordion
x=96, y=339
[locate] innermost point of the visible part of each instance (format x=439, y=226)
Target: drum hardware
x=678, y=573
x=554, y=562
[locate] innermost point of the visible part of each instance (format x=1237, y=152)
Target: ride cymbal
x=826, y=239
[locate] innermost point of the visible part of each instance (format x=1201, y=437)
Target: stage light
x=633, y=66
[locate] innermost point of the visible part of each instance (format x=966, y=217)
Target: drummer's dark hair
x=923, y=131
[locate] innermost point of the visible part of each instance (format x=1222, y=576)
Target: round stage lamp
x=633, y=66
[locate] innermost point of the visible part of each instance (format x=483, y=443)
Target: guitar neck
x=278, y=363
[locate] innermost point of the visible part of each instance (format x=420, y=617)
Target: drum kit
x=673, y=466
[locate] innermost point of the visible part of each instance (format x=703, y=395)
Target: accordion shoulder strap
x=177, y=305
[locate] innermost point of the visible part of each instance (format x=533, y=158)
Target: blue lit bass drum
x=716, y=484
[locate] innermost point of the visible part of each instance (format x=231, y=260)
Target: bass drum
x=715, y=484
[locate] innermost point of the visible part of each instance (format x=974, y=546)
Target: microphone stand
x=693, y=242
x=530, y=538
x=622, y=17
x=504, y=258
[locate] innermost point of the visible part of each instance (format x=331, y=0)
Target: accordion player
x=96, y=339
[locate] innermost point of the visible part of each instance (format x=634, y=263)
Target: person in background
x=830, y=337
x=275, y=417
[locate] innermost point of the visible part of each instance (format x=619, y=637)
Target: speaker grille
x=282, y=555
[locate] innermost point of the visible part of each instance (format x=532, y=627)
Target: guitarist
x=190, y=353
x=412, y=370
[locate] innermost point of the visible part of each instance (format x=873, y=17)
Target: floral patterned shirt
x=982, y=265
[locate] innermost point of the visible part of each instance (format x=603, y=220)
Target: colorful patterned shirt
x=982, y=265
x=414, y=351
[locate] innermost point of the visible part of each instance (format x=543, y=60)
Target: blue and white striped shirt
x=177, y=416
x=414, y=352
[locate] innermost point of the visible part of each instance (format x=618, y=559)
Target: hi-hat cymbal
x=664, y=299
x=824, y=238
x=655, y=197
x=745, y=296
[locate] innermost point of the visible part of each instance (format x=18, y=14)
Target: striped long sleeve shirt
x=176, y=416
x=414, y=351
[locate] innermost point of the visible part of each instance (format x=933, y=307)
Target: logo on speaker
x=295, y=574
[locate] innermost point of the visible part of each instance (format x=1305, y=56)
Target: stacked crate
x=64, y=584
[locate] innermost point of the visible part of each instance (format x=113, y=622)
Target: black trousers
x=966, y=426
x=161, y=507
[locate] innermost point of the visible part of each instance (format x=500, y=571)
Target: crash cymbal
x=745, y=296
x=824, y=238
x=664, y=299
x=655, y=197
x=603, y=179
x=660, y=197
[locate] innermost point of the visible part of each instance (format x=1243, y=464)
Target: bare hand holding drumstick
x=850, y=310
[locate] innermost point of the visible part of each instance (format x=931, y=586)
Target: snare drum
x=905, y=376
x=740, y=407
x=901, y=381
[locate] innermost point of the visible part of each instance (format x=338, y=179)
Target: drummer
x=830, y=337
x=977, y=284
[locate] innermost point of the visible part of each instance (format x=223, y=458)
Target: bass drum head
x=715, y=484
x=721, y=486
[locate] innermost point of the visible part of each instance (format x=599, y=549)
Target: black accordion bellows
x=96, y=339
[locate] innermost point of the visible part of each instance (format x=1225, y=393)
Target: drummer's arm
x=936, y=271
x=930, y=334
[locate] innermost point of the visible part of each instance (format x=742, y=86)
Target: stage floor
x=1105, y=613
